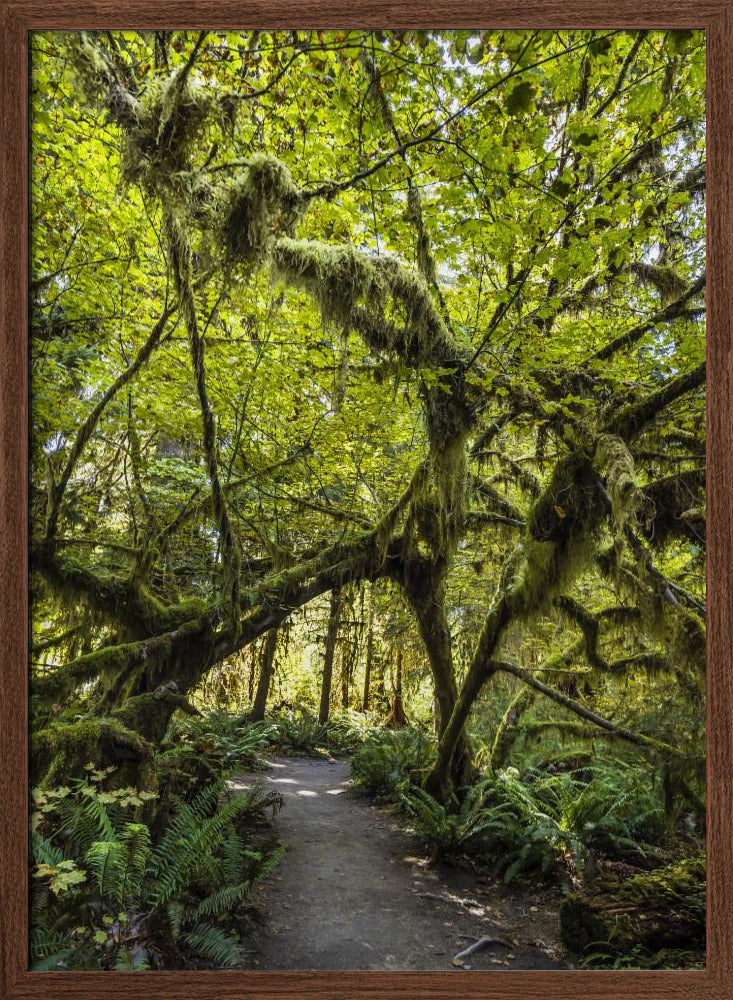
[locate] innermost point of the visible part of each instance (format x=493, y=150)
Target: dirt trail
x=347, y=893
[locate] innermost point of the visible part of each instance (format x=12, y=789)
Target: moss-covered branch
x=665, y=315
x=633, y=418
x=561, y=699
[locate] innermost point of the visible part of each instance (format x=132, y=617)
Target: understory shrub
x=298, y=732
x=346, y=732
x=542, y=822
x=108, y=893
x=201, y=749
x=390, y=760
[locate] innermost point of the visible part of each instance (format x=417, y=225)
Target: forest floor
x=354, y=891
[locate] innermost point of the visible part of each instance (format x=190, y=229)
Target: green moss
x=341, y=278
x=665, y=279
x=169, y=120
x=560, y=536
x=261, y=200
x=338, y=277
x=61, y=751
x=688, y=643
x=565, y=502
x=614, y=458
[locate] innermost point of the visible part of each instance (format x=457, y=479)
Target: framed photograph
x=364, y=378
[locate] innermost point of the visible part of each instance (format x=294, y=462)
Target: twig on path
x=448, y=899
x=483, y=942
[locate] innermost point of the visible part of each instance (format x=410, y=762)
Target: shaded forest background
x=368, y=411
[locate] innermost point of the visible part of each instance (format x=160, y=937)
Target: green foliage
x=138, y=896
x=451, y=833
x=389, y=761
x=298, y=732
x=479, y=383
x=199, y=749
x=346, y=732
x=535, y=822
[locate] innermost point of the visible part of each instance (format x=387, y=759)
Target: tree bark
x=397, y=717
x=266, y=671
x=369, y=654
x=438, y=782
x=334, y=620
x=424, y=583
x=508, y=728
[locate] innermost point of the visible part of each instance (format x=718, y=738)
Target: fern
x=135, y=838
x=222, y=900
x=132, y=960
x=43, y=852
x=176, y=913
x=201, y=870
x=107, y=861
x=215, y=944
x=233, y=857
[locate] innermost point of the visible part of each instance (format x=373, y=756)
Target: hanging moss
x=341, y=278
x=676, y=506
x=166, y=129
x=665, y=279
x=560, y=537
x=680, y=631
x=613, y=457
x=688, y=642
x=262, y=200
x=338, y=277
x=568, y=499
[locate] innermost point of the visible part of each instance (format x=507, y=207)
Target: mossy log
x=661, y=909
x=62, y=750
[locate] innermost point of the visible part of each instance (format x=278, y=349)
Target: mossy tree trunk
x=424, y=584
x=267, y=667
x=397, y=716
x=329, y=652
x=369, y=654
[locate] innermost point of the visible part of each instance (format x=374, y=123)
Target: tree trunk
x=266, y=671
x=349, y=652
x=369, y=654
x=508, y=728
x=439, y=782
x=251, y=682
x=334, y=618
x=425, y=590
x=397, y=717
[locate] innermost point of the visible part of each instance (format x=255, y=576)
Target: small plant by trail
x=390, y=760
x=204, y=748
x=107, y=893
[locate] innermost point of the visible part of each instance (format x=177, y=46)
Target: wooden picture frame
x=18, y=17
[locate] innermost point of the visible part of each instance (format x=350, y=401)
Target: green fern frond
x=107, y=861
x=222, y=900
x=176, y=915
x=43, y=852
x=215, y=944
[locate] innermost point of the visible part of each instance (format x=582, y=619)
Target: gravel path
x=347, y=893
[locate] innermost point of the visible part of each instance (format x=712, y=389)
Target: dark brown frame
x=20, y=16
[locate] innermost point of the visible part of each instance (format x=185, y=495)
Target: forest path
x=346, y=894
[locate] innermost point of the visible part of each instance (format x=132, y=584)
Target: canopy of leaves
x=316, y=308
